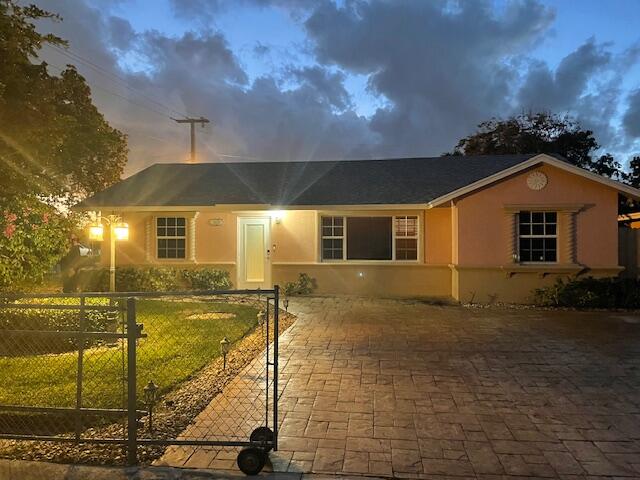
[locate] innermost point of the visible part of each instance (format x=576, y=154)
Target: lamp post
x=118, y=230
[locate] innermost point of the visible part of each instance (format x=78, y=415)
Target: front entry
x=254, y=264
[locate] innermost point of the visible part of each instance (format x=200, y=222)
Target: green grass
x=175, y=349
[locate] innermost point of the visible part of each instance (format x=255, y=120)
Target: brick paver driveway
x=383, y=387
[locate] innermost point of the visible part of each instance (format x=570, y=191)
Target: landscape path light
x=150, y=398
x=224, y=349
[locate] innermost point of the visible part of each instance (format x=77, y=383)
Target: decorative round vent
x=536, y=181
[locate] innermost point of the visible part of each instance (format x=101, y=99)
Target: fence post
x=80, y=372
x=132, y=417
x=276, y=340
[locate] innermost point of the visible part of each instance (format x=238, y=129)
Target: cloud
x=328, y=85
x=631, y=118
x=436, y=68
x=441, y=71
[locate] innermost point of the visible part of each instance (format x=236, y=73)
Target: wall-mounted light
x=277, y=215
x=360, y=274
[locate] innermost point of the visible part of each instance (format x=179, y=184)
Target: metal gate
x=148, y=370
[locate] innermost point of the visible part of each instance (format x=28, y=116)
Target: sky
x=285, y=80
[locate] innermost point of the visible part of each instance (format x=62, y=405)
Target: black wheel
x=263, y=435
x=251, y=460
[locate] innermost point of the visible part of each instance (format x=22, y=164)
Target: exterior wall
x=297, y=249
x=629, y=248
x=485, y=270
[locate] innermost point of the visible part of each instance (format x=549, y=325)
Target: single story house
x=475, y=228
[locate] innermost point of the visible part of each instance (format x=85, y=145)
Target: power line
x=98, y=87
x=114, y=77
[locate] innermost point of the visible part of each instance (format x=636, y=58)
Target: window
x=538, y=236
x=171, y=237
x=369, y=238
x=406, y=238
x=332, y=238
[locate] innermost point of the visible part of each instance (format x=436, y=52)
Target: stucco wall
x=481, y=218
x=481, y=272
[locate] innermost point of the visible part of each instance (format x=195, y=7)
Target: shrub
x=207, y=279
x=589, y=292
x=152, y=279
x=27, y=343
x=305, y=285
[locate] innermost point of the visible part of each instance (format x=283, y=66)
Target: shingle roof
x=352, y=182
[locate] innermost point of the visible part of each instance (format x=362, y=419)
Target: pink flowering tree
x=33, y=237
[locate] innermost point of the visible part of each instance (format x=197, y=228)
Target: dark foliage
x=591, y=292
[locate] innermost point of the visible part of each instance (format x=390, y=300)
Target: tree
x=633, y=178
x=540, y=133
x=33, y=236
x=53, y=140
x=55, y=148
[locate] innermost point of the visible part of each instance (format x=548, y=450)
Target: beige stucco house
x=484, y=228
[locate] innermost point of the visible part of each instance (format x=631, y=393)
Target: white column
x=512, y=249
x=148, y=247
x=569, y=242
x=192, y=237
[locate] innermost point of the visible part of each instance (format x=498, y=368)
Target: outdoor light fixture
x=224, y=349
x=118, y=230
x=121, y=231
x=96, y=232
x=150, y=392
x=277, y=215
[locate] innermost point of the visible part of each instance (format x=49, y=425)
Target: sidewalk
x=26, y=470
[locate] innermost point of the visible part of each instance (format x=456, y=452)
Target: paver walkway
x=383, y=387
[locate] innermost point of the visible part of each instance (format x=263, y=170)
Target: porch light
x=121, y=231
x=224, y=349
x=277, y=215
x=96, y=232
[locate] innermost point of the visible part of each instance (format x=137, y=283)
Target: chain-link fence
x=143, y=370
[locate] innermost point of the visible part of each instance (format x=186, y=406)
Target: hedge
x=589, y=292
x=39, y=319
x=151, y=279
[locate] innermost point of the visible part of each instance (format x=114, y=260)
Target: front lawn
x=180, y=341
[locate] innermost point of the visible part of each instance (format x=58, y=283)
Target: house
x=477, y=228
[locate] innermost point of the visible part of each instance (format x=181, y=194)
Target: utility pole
x=192, y=122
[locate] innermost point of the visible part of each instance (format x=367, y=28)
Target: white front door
x=254, y=264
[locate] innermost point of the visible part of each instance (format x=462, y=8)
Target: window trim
x=543, y=236
x=393, y=259
x=164, y=237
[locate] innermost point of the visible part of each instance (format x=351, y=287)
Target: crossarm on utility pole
x=192, y=122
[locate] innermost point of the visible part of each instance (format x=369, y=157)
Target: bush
x=50, y=320
x=207, y=279
x=304, y=286
x=152, y=279
x=589, y=292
